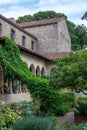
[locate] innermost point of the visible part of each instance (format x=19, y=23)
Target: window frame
x=12, y=35
x=32, y=45
x=23, y=40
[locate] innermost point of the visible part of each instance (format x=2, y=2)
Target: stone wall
x=11, y=98
x=52, y=38
x=6, y=31
x=36, y=61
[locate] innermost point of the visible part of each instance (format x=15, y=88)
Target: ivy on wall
x=15, y=68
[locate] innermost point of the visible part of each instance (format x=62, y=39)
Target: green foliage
x=26, y=108
x=78, y=36
x=84, y=17
x=84, y=126
x=39, y=16
x=82, y=106
x=67, y=126
x=34, y=123
x=15, y=68
x=71, y=72
x=8, y=117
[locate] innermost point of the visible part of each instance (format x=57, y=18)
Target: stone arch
x=43, y=71
x=38, y=71
x=32, y=68
x=52, y=70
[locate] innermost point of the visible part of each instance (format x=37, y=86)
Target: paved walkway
x=67, y=117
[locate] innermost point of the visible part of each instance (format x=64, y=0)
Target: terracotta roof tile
x=41, y=22
x=53, y=56
x=22, y=48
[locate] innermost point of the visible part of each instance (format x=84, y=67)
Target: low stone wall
x=10, y=98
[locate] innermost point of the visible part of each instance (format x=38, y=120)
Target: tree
x=40, y=16
x=84, y=17
x=25, y=18
x=71, y=72
x=47, y=15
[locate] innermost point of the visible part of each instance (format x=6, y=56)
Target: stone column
x=19, y=86
x=10, y=86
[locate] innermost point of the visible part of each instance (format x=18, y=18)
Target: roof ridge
x=17, y=26
x=41, y=22
x=44, y=20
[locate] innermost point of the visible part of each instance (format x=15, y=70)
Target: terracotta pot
x=23, y=90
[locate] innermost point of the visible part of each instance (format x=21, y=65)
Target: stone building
x=40, y=42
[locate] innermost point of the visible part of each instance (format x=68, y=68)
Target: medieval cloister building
x=40, y=42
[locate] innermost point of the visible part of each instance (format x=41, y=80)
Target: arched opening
x=32, y=68
x=52, y=70
x=42, y=71
x=38, y=71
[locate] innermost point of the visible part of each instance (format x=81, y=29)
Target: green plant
x=67, y=126
x=82, y=106
x=8, y=117
x=34, y=123
x=84, y=126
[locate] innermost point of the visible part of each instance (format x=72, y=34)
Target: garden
x=48, y=99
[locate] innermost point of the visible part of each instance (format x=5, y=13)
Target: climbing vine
x=15, y=68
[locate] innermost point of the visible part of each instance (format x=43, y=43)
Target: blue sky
x=73, y=9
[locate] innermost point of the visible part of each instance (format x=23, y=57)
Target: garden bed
x=80, y=118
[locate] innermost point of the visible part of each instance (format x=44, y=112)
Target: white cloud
x=73, y=9
x=8, y=1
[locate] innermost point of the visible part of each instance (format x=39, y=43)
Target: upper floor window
x=12, y=34
x=23, y=41
x=0, y=28
x=32, y=45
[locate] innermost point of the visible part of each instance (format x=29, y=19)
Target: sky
x=73, y=9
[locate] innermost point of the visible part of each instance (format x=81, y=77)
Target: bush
x=82, y=106
x=67, y=126
x=57, y=103
x=7, y=117
x=34, y=123
x=84, y=126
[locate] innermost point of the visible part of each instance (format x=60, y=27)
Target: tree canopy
x=71, y=72
x=41, y=15
x=84, y=17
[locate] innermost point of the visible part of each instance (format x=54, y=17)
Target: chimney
x=12, y=20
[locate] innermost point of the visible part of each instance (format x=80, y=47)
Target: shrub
x=8, y=117
x=34, y=123
x=67, y=126
x=84, y=126
x=82, y=106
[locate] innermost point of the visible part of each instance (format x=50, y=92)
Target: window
x=32, y=45
x=0, y=28
x=23, y=41
x=12, y=34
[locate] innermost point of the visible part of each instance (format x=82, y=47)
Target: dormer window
x=32, y=45
x=12, y=34
x=23, y=40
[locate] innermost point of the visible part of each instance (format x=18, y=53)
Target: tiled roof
x=41, y=22
x=53, y=56
x=33, y=53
